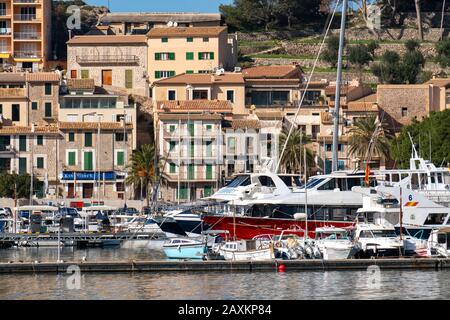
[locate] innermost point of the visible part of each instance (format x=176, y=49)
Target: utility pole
x=337, y=101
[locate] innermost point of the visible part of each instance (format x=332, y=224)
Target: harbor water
x=389, y=284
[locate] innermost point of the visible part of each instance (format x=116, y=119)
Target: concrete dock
x=228, y=266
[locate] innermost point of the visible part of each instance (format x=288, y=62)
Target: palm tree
x=141, y=170
x=369, y=137
x=292, y=159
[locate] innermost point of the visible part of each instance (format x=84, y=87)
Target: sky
x=210, y=6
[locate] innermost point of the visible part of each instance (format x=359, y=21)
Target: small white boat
x=334, y=243
x=246, y=250
x=439, y=243
x=374, y=240
x=181, y=248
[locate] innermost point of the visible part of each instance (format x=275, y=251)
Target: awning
x=27, y=59
x=4, y=55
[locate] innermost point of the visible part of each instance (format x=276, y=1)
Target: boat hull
x=185, y=252
x=254, y=255
x=246, y=228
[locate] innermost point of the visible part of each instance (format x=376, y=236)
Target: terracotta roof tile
x=331, y=90
x=286, y=71
x=107, y=39
x=202, y=78
x=12, y=93
x=245, y=124
x=365, y=104
x=43, y=77
x=161, y=17
x=186, y=116
x=80, y=84
x=272, y=115
x=7, y=77
x=93, y=126
x=194, y=105
x=27, y=130
x=186, y=32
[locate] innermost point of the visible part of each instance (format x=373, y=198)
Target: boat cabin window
x=266, y=181
x=365, y=234
x=442, y=238
x=331, y=236
x=239, y=181
x=384, y=233
x=312, y=183
x=435, y=218
x=330, y=185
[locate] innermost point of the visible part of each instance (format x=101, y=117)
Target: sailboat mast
x=306, y=193
x=338, y=88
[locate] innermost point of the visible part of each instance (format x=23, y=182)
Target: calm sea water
x=215, y=285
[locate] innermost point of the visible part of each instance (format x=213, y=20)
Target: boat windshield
x=378, y=234
x=312, y=183
x=239, y=181
x=332, y=236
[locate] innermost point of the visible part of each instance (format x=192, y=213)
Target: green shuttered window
x=88, y=161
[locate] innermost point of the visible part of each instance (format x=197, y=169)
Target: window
x=165, y=56
x=199, y=94
x=404, y=112
x=15, y=112
x=71, y=158
x=208, y=127
x=48, y=89
x=164, y=74
x=120, y=158
x=40, y=140
x=34, y=105
x=231, y=142
x=435, y=218
x=189, y=56
x=172, y=145
x=172, y=168
x=172, y=128
x=84, y=74
x=88, y=161
x=191, y=129
x=189, y=71
x=192, y=149
x=190, y=39
x=22, y=165
x=1, y=109
x=22, y=143
x=171, y=95
x=191, y=172
x=48, y=110
x=73, y=74
x=208, y=149
x=120, y=136
x=182, y=193
x=206, y=56
x=40, y=162
x=209, y=171
x=88, y=139
x=205, y=39
x=230, y=95
x=71, y=136
x=165, y=40
x=207, y=191
x=129, y=79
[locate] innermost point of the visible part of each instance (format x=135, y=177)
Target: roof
x=43, y=77
x=440, y=82
x=187, y=116
x=108, y=39
x=269, y=115
x=81, y=84
x=162, y=17
x=194, y=105
x=331, y=90
x=93, y=125
x=245, y=124
x=7, y=77
x=203, y=78
x=186, y=32
x=285, y=71
x=365, y=104
x=27, y=130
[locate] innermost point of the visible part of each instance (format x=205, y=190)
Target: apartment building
x=25, y=34
x=28, y=131
x=112, y=61
x=98, y=137
x=124, y=23
x=177, y=50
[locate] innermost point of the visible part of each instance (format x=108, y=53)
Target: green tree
x=359, y=56
x=141, y=169
x=331, y=53
x=434, y=129
x=292, y=159
x=15, y=185
x=372, y=46
x=443, y=53
x=369, y=137
x=388, y=69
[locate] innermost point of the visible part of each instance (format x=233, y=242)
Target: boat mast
x=338, y=88
x=306, y=194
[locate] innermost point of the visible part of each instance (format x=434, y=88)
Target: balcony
x=26, y=17
x=186, y=135
x=197, y=176
x=12, y=93
x=27, y=1
x=5, y=31
x=5, y=13
x=27, y=35
x=108, y=60
x=27, y=54
x=5, y=49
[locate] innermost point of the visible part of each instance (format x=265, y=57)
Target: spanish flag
x=366, y=177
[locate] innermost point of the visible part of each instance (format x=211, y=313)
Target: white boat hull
x=253, y=255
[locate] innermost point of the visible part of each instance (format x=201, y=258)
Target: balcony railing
x=4, y=13
x=108, y=59
x=5, y=31
x=27, y=54
x=186, y=134
x=27, y=1
x=5, y=49
x=199, y=175
x=12, y=92
x=25, y=17
x=27, y=35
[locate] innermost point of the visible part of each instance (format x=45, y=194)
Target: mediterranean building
x=112, y=61
x=25, y=34
x=124, y=23
x=98, y=137
x=177, y=50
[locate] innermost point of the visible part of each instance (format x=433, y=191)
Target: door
x=73, y=74
x=88, y=190
x=71, y=191
x=107, y=77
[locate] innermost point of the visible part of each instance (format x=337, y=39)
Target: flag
x=366, y=177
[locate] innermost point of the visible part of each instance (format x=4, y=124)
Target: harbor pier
x=227, y=266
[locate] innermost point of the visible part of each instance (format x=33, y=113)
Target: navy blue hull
x=193, y=226
x=422, y=233
x=169, y=225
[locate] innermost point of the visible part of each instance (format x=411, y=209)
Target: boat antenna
x=337, y=101
x=413, y=150
x=306, y=87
